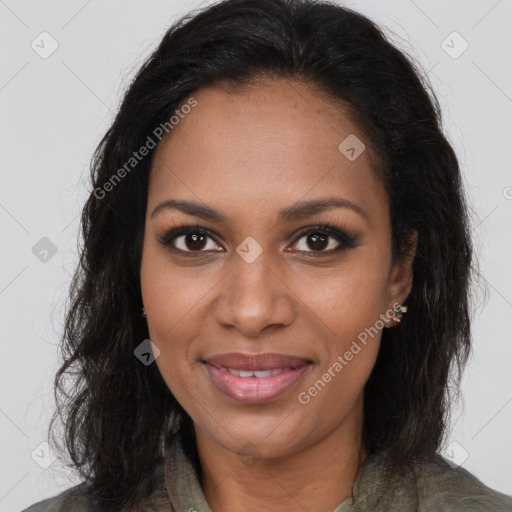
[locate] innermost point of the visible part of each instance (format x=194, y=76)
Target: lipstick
x=255, y=378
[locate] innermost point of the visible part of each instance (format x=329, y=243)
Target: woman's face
x=257, y=285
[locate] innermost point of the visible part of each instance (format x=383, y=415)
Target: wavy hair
x=118, y=414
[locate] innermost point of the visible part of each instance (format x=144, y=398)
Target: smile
x=255, y=378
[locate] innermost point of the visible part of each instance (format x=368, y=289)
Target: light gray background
x=53, y=113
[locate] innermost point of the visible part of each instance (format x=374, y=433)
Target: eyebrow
x=298, y=211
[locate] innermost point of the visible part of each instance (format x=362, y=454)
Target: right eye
x=189, y=239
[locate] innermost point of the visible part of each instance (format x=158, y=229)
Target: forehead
x=266, y=144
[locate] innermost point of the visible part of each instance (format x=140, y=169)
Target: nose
x=254, y=296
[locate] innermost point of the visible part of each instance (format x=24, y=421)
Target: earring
x=143, y=313
x=400, y=310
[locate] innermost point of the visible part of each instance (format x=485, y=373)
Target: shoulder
x=443, y=487
x=74, y=498
x=79, y=499
x=429, y=486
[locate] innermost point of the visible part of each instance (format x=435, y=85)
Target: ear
x=400, y=276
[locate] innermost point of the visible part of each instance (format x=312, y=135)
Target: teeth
x=260, y=374
x=263, y=373
x=243, y=373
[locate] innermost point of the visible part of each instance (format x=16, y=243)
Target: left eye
x=318, y=241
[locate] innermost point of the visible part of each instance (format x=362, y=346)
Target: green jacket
x=432, y=487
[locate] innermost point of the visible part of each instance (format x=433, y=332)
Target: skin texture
x=249, y=154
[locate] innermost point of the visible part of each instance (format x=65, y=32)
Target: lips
x=257, y=362
x=255, y=378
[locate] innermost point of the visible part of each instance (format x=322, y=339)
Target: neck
x=318, y=477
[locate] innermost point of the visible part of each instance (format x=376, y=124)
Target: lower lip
x=251, y=390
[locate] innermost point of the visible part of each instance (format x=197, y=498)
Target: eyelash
x=346, y=239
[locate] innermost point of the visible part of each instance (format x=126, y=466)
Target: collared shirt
x=431, y=487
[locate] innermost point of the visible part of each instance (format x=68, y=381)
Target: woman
x=274, y=285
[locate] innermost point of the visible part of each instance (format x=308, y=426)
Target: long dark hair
x=118, y=414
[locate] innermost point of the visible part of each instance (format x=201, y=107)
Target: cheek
x=170, y=303
x=348, y=299
x=172, y=296
x=348, y=306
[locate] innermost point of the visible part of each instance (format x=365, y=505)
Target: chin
x=268, y=438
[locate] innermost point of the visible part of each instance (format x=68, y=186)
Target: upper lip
x=256, y=362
